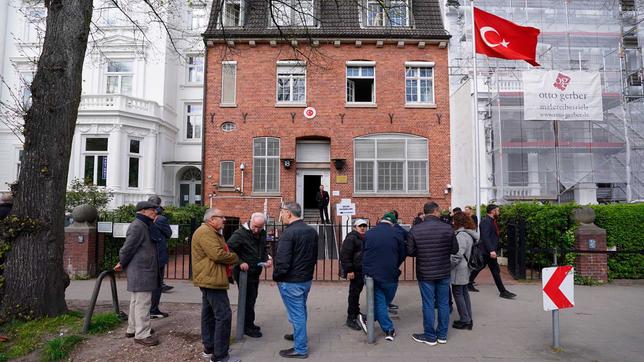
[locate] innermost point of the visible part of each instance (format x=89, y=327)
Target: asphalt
x=606, y=324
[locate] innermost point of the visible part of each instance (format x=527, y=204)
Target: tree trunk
x=35, y=279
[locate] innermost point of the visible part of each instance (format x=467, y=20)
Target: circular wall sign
x=310, y=112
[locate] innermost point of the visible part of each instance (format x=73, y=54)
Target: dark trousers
x=156, y=294
x=324, y=212
x=355, y=288
x=216, y=318
x=252, y=287
x=463, y=304
x=493, y=264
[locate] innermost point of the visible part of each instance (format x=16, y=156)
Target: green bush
x=81, y=192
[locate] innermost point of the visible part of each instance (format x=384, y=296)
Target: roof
x=336, y=18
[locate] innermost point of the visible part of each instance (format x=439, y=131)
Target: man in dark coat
x=432, y=242
x=322, y=199
x=160, y=232
x=489, y=244
x=249, y=243
x=6, y=203
x=295, y=260
x=383, y=253
x=351, y=260
x=139, y=258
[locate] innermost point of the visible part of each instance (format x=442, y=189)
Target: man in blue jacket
x=383, y=253
x=160, y=232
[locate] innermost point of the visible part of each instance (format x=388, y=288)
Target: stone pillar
x=590, y=237
x=80, y=254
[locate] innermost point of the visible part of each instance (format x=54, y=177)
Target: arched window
x=189, y=186
x=391, y=163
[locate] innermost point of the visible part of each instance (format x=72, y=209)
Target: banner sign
x=562, y=95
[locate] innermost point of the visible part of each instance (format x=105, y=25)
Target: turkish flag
x=500, y=38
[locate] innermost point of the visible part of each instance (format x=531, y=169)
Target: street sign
x=345, y=208
x=310, y=112
x=558, y=287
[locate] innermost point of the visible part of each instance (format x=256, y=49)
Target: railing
x=117, y=102
x=97, y=289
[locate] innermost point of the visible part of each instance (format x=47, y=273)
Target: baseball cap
x=359, y=222
x=390, y=217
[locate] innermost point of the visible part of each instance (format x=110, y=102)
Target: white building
x=139, y=122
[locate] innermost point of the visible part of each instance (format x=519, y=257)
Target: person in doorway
x=489, y=230
x=6, y=203
x=322, y=198
x=351, y=261
x=138, y=257
x=212, y=263
x=160, y=232
x=249, y=243
x=466, y=235
x=295, y=260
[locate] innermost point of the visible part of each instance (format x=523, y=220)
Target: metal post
x=477, y=127
x=92, y=303
x=555, y=314
x=241, y=304
x=371, y=338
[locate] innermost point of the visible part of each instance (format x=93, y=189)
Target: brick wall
x=325, y=90
x=594, y=266
x=79, y=259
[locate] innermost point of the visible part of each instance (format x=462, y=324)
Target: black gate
x=516, y=234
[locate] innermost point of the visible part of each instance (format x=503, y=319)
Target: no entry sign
x=558, y=287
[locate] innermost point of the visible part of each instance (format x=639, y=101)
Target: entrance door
x=308, y=184
x=190, y=187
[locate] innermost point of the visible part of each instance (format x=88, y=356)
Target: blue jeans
x=429, y=290
x=294, y=297
x=383, y=294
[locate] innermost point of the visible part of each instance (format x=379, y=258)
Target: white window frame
x=360, y=65
x=25, y=78
x=137, y=156
x=255, y=157
x=418, y=78
x=119, y=76
x=19, y=155
x=384, y=13
x=296, y=18
x=196, y=128
x=376, y=159
x=34, y=17
x=242, y=9
x=291, y=77
x=96, y=155
x=221, y=173
x=232, y=63
x=198, y=68
x=203, y=23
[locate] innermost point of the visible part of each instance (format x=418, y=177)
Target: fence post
x=241, y=305
x=193, y=227
x=371, y=338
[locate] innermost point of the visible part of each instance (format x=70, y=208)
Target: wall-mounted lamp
x=242, y=167
x=339, y=163
x=288, y=162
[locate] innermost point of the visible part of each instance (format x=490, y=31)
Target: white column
x=149, y=163
x=115, y=160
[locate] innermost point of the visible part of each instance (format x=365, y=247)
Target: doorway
x=308, y=183
x=311, y=188
x=190, y=186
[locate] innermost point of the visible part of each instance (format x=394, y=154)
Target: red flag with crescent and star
x=500, y=38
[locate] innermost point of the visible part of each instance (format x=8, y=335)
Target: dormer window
x=233, y=13
x=387, y=13
x=292, y=13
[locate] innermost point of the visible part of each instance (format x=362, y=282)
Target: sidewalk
x=605, y=325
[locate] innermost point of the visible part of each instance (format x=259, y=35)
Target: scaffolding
x=560, y=160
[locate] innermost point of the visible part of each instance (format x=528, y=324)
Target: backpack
x=476, y=261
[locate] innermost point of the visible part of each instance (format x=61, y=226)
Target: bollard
x=92, y=303
x=241, y=304
x=371, y=338
x=555, y=314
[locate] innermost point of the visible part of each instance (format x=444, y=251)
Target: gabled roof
x=337, y=19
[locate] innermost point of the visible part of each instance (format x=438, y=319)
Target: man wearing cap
x=160, y=232
x=383, y=253
x=139, y=258
x=351, y=260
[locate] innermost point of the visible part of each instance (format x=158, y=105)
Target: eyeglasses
x=217, y=216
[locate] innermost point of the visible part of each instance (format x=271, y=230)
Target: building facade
x=139, y=122
x=349, y=95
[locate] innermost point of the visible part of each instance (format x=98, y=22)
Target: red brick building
x=376, y=78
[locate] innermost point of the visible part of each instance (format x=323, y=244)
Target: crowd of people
x=442, y=249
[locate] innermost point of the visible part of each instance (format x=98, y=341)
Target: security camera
x=448, y=186
x=242, y=167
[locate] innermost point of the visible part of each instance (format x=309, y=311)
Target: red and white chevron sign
x=558, y=287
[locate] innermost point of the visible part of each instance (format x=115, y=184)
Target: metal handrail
x=97, y=289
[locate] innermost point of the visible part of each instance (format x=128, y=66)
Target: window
x=228, y=83
x=292, y=13
x=394, y=13
x=227, y=173
x=26, y=78
x=119, y=77
x=95, y=171
x=193, y=121
x=133, y=167
x=228, y=126
x=197, y=17
x=20, y=154
x=419, y=83
x=266, y=162
x=233, y=13
x=391, y=164
x=361, y=82
x=195, y=69
x=35, y=21
x=291, y=82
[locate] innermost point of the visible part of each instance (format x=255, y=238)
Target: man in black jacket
x=249, y=243
x=295, y=260
x=351, y=260
x=489, y=230
x=432, y=242
x=160, y=232
x=322, y=199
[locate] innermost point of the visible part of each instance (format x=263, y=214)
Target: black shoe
x=158, y=314
x=461, y=325
x=362, y=322
x=353, y=324
x=254, y=328
x=471, y=288
x=290, y=353
x=389, y=336
x=165, y=288
x=457, y=324
x=288, y=337
x=131, y=335
x=507, y=295
x=253, y=333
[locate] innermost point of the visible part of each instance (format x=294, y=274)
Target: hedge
x=549, y=226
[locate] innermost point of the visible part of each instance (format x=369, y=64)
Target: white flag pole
x=477, y=128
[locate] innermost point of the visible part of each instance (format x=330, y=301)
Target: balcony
x=115, y=103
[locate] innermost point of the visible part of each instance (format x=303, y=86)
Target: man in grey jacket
x=139, y=258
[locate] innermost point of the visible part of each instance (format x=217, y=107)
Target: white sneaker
x=206, y=355
x=362, y=321
x=441, y=341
